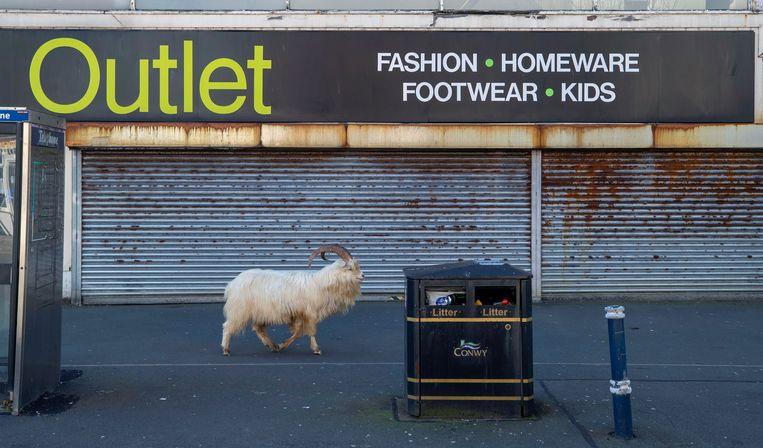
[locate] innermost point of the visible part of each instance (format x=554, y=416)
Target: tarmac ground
x=154, y=376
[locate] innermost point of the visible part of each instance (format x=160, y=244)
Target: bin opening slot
x=495, y=295
x=446, y=296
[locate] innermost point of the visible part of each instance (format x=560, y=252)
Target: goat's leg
x=310, y=329
x=227, y=333
x=314, y=345
x=262, y=333
x=296, y=331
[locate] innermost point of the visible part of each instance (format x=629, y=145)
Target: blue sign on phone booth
x=13, y=115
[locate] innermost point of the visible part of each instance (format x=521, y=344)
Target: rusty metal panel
x=315, y=135
x=365, y=5
x=609, y=136
x=672, y=5
x=67, y=5
x=217, y=5
x=663, y=223
x=709, y=136
x=162, y=135
x=518, y=5
x=167, y=226
x=443, y=136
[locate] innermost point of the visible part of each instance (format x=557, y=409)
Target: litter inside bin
x=446, y=297
x=494, y=296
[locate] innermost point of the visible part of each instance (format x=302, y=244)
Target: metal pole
x=619, y=385
x=536, y=236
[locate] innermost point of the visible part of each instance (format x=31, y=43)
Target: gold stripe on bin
x=469, y=319
x=469, y=398
x=472, y=380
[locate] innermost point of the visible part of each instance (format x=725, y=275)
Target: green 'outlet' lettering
x=205, y=85
x=163, y=64
x=259, y=64
x=141, y=102
x=92, y=85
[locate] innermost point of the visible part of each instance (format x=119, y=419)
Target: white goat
x=299, y=299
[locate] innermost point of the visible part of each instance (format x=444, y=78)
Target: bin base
x=462, y=411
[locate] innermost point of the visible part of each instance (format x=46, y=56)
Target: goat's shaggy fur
x=299, y=299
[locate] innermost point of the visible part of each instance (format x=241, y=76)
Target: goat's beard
x=345, y=307
x=346, y=304
x=342, y=298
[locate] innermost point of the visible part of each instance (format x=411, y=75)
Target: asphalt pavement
x=153, y=376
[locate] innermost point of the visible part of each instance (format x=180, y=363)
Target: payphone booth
x=31, y=254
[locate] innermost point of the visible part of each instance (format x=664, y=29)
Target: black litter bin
x=469, y=338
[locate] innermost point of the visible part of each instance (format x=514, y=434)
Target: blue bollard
x=619, y=385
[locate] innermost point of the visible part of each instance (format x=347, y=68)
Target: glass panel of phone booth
x=8, y=141
x=38, y=353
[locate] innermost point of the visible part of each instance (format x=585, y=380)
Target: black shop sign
x=382, y=76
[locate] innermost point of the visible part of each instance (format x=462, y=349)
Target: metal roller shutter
x=168, y=226
x=640, y=223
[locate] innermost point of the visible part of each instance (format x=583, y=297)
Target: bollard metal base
x=615, y=436
x=622, y=416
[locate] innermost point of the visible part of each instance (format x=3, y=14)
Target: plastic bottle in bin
x=445, y=298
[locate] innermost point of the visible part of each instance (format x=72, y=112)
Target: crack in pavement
x=570, y=417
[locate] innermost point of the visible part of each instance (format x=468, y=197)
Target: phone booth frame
x=35, y=268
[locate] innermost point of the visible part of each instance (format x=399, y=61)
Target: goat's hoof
x=275, y=349
x=226, y=352
x=317, y=352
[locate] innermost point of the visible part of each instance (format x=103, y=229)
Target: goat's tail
x=234, y=322
x=226, y=296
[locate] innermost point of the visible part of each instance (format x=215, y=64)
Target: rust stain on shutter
x=656, y=222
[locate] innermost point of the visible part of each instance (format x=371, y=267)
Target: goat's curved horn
x=343, y=253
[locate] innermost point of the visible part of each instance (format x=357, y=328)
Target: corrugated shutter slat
x=633, y=223
x=161, y=225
